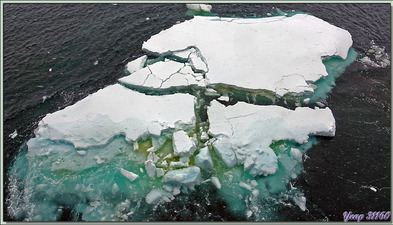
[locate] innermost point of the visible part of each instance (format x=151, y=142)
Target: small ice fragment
x=211, y=92
x=153, y=157
x=204, y=159
x=141, y=169
x=50, y=69
x=168, y=156
x=115, y=188
x=249, y=213
x=150, y=168
x=301, y=202
x=216, y=182
x=164, y=163
x=320, y=104
x=147, y=18
x=96, y=63
x=199, y=7
x=168, y=188
x=182, y=144
x=306, y=100
x=160, y=172
x=136, y=64
x=129, y=175
x=152, y=149
x=81, y=152
x=255, y=193
x=254, y=183
x=224, y=150
x=187, y=176
x=154, y=196
x=204, y=136
x=13, y=134
x=44, y=98
x=166, y=199
x=244, y=185
x=296, y=154
x=176, y=191
x=100, y=159
x=224, y=98
x=135, y=146
x=373, y=189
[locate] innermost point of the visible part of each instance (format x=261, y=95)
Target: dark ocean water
x=57, y=54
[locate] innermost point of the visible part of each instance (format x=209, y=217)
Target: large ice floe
x=181, y=122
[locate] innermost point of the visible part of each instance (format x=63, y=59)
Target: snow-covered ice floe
x=244, y=132
x=278, y=54
x=133, y=143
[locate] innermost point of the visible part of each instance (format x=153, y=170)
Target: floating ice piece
x=199, y=7
x=246, y=186
x=151, y=169
x=299, y=42
x=216, y=182
x=183, y=177
x=244, y=132
x=129, y=175
x=295, y=153
x=13, y=134
x=224, y=98
x=116, y=110
x=183, y=144
x=204, y=159
x=136, y=64
x=81, y=152
x=155, y=196
x=300, y=201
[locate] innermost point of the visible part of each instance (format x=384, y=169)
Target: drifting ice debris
x=300, y=201
x=244, y=132
x=116, y=110
x=216, y=182
x=182, y=144
x=155, y=196
x=204, y=159
x=183, y=177
x=129, y=175
x=13, y=134
x=199, y=7
x=295, y=153
x=306, y=41
x=81, y=152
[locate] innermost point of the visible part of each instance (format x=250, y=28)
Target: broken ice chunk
x=183, y=177
x=81, y=152
x=13, y=134
x=136, y=64
x=224, y=150
x=129, y=175
x=183, y=144
x=203, y=159
x=216, y=182
x=300, y=201
x=150, y=168
x=295, y=153
x=199, y=7
x=155, y=196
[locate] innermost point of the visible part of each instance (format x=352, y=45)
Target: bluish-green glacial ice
x=231, y=104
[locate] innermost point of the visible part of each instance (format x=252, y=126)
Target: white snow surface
x=244, y=132
x=280, y=54
x=136, y=64
x=117, y=110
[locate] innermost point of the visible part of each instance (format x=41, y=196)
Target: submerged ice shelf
x=171, y=125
